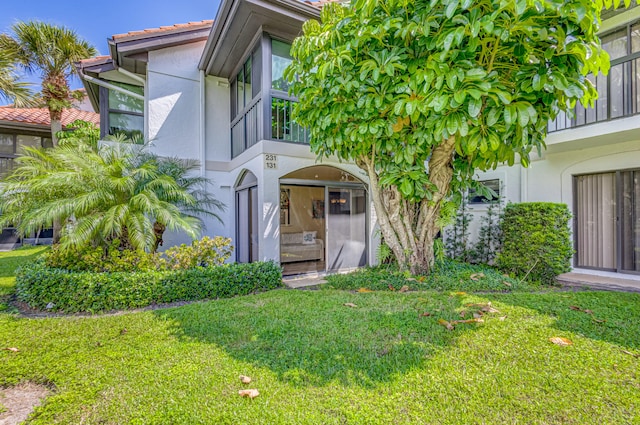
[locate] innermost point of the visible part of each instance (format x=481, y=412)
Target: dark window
x=121, y=113
x=476, y=197
x=12, y=144
x=280, y=60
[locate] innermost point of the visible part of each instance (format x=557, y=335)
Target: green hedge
x=40, y=286
x=536, y=240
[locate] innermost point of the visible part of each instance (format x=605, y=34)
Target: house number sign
x=270, y=161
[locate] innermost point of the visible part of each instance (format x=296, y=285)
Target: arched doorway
x=323, y=221
x=247, y=240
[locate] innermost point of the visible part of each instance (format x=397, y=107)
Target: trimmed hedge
x=536, y=240
x=40, y=286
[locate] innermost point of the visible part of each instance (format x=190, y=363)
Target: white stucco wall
x=173, y=96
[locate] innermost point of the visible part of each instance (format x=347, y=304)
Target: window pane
x=31, y=141
x=247, y=82
x=129, y=125
x=6, y=143
x=240, y=91
x=280, y=59
x=234, y=89
x=476, y=198
x=47, y=143
x=256, y=71
x=124, y=102
x=616, y=44
x=635, y=38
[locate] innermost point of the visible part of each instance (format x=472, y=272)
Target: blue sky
x=96, y=21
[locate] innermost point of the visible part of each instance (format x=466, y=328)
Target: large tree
x=50, y=51
x=421, y=94
x=11, y=89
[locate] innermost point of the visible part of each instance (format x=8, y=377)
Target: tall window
x=246, y=111
x=280, y=60
x=121, y=113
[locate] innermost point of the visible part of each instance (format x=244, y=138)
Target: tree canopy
x=421, y=94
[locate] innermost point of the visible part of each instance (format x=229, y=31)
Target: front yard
x=316, y=360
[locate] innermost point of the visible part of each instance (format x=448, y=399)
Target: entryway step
x=605, y=283
x=303, y=282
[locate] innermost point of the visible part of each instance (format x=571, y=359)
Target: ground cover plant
x=336, y=356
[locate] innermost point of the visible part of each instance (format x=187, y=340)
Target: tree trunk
x=158, y=231
x=56, y=126
x=410, y=228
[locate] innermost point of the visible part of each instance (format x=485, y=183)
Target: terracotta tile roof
x=95, y=60
x=40, y=116
x=164, y=29
x=320, y=3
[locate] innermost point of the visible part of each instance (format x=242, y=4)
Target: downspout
x=203, y=125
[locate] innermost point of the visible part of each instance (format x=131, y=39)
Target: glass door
x=346, y=228
x=630, y=221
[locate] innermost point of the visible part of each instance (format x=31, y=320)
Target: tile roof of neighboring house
x=163, y=30
x=40, y=116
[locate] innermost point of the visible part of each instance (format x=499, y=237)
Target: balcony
x=283, y=126
x=619, y=97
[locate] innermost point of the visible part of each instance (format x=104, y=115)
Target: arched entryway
x=247, y=236
x=323, y=221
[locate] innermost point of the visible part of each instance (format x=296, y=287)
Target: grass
x=316, y=361
x=8, y=263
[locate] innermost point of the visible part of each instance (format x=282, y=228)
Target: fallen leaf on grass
x=391, y=288
x=352, y=305
x=363, y=290
x=446, y=324
x=598, y=320
x=561, y=341
x=637, y=356
x=252, y=393
x=460, y=293
x=501, y=318
x=477, y=315
x=576, y=308
x=245, y=379
x=123, y=331
x=463, y=313
x=12, y=349
x=405, y=288
x=486, y=308
x=411, y=279
x=425, y=314
x=506, y=283
x=476, y=276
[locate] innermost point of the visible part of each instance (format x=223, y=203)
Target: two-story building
x=214, y=91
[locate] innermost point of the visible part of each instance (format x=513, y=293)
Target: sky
x=96, y=21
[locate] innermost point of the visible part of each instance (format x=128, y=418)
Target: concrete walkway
x=601, y=281
x=304, y=282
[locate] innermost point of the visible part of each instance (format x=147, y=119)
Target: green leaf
x=475, y=105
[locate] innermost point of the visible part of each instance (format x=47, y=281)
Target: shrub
x=536, y=240
x=205, y=252
x=62, y=290
x=96, y=259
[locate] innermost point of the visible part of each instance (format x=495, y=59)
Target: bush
x=62, y=290
x=536, y=240
x=96, y=259
x=205, y=252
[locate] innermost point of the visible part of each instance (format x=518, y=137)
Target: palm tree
x=12, y=90
x=50, y=50
x=102, y=194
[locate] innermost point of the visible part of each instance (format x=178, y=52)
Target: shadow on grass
x=312, y=338
x=612, y=317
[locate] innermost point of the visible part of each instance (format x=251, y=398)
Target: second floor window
x=121, y=113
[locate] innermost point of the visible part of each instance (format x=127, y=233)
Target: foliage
x=457, y=235
x=12, y=90
x=316, y=361
x=536, y=240
x=489, y=241
x=205, y=252
x=40, y=286
x=99, y=260
x=51, y=51
x=447, y=275
x=114, y=192
x=80, y=132
x=457, y=85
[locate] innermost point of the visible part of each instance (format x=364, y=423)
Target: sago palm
x=100, y=195
x=50, y=51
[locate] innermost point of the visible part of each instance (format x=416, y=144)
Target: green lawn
x=316, y=361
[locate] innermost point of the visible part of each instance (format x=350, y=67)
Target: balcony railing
x=283, y=127
x=619, y=96
x=246, y=129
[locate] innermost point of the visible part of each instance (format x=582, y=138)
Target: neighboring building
x=214, y=91
x=21, y=127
